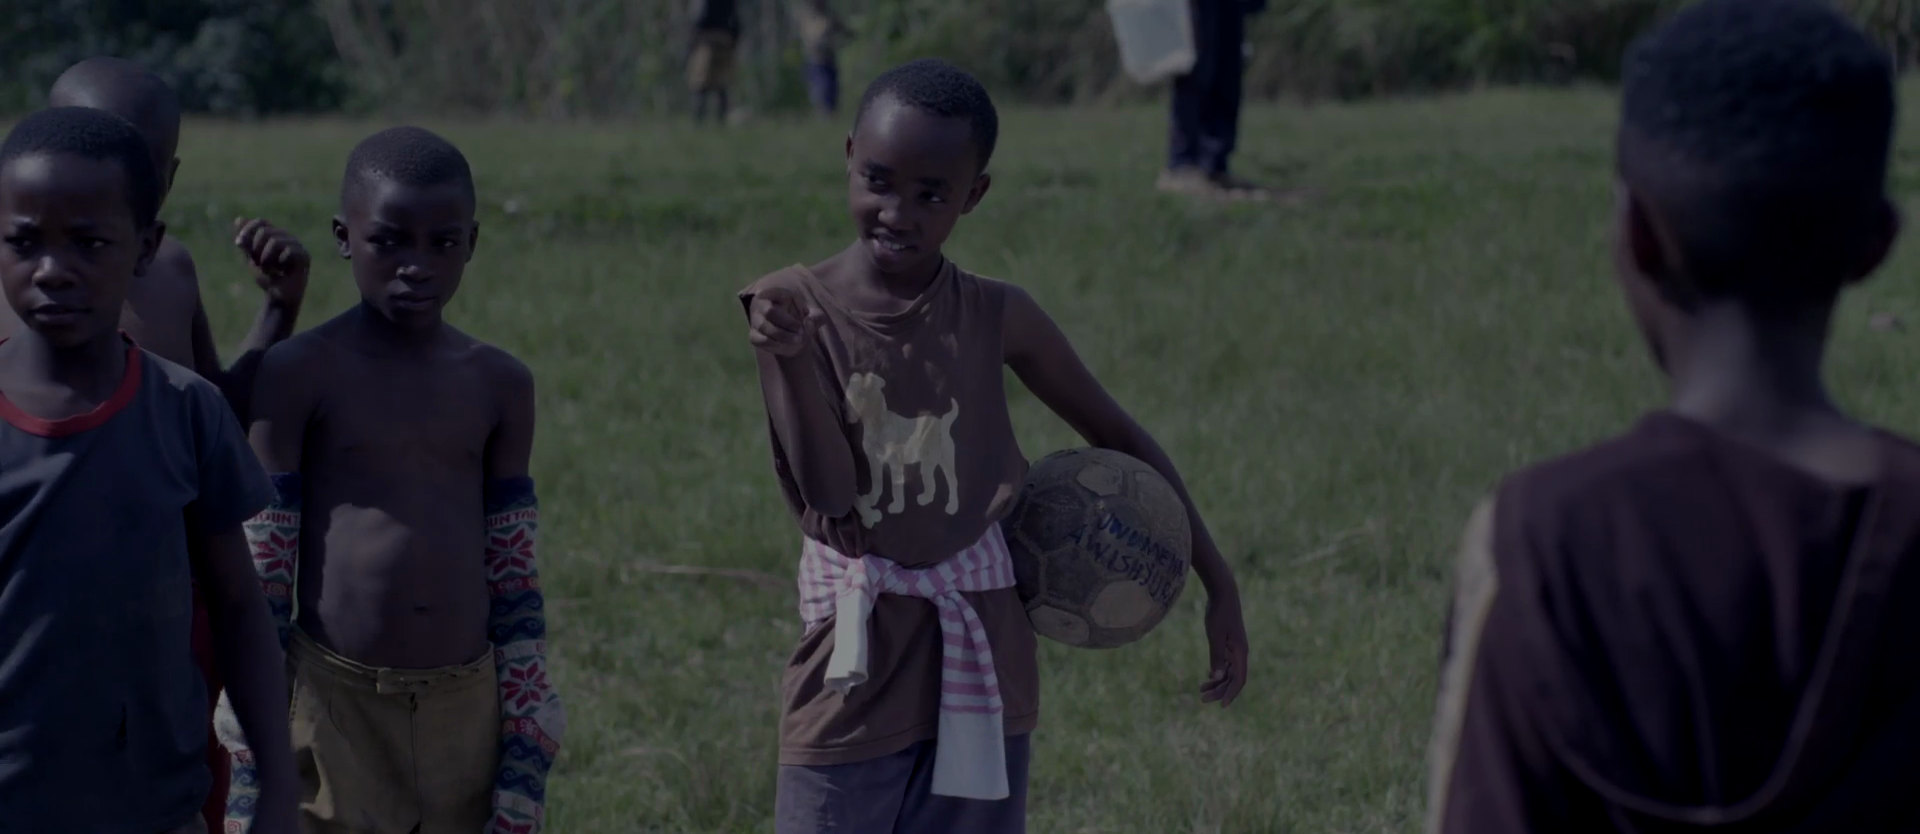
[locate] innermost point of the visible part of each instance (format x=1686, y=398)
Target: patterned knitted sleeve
x=274, y=538
x=531, y=715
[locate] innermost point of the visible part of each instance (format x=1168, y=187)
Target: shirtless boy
x=881, y=731
x=163, y=311
x=404, y=525
x=123, y=477
x=1707, y=623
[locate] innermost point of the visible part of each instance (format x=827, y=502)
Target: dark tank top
x=921, y=398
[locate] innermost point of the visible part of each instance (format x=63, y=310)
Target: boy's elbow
x=833, y=508
x=832, y=500
x=823, y=471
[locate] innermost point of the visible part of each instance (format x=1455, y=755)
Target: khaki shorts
x=393, y=751
x=710, y=68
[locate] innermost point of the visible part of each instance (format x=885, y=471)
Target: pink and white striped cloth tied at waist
x=970, y=756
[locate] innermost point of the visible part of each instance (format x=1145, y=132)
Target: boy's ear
x=1645, y=253
x=473, y=241
x=1652, y=250
x=340, y=240
x=149, y=247
x=978, y=192
x=1878, y=242
x=849, y=153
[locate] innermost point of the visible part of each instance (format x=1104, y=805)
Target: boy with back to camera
x=913, y=713
x=164, y=313
x=123, y=478
x=404, y=525
x=1707, y=623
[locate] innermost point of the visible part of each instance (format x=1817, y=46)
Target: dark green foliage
x=228, y=57
x=614, y=58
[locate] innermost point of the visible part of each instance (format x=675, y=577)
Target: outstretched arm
x=1040, y=354
x=807, y=426
x=532, y=718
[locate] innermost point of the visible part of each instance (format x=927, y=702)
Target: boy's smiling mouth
x=887, y=249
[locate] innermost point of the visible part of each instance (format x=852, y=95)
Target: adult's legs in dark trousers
x=823, y=84
x=1206, y=101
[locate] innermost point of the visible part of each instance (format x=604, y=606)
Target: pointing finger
x=781, y=319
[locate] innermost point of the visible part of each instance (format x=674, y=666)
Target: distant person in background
x=710, y=55
x=1206, y=104
x=821, y=32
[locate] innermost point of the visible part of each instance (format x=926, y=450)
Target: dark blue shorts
x=893, y=795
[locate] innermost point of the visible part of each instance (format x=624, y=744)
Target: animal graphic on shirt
x=893, y=442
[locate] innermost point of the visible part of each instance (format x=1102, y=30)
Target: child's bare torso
x=391, y=567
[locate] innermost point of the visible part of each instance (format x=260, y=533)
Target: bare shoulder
x=313, y=345
x=175, y=263
x=1023, y=323
x=173, y=254
x=303, y=357
x=501, y=371
x=1015, y=299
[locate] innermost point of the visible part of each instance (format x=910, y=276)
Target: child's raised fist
x=279, y=262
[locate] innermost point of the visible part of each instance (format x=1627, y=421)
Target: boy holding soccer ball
x=908, y=705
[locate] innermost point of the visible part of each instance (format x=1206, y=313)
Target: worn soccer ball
x=1100, y=545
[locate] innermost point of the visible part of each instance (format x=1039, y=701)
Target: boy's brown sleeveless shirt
x=922, y=403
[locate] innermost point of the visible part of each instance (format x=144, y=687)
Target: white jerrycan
x=1156, y=37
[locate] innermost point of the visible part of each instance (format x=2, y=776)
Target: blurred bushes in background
x=234, y=57
x=612, y=58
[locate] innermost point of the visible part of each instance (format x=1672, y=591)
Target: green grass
x=1338, y=382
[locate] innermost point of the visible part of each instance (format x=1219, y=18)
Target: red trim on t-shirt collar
x=66, y=426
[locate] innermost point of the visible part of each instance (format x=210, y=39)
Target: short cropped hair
x=944, y=90
x=409, y=156
x=1760, y=129
x=91, y=134
x=127, y=90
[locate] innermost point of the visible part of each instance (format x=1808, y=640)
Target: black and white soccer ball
x=1100, y=545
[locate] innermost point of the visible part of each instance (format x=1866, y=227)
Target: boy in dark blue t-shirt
x=123, y=477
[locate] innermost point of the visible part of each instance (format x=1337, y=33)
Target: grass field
x=1337, y=381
